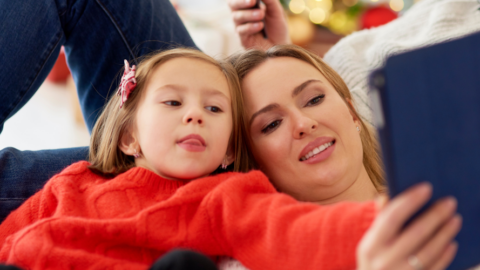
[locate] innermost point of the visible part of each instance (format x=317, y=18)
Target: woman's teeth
x=317, y=150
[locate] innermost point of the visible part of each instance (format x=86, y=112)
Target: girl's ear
x=230, y=156
x=128, y=143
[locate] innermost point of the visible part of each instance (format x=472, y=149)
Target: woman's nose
x=304, y=126
x=193, y=116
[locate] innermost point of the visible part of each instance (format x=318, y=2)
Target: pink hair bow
x=128, y=83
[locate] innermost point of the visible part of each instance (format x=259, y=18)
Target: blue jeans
x=97, y=36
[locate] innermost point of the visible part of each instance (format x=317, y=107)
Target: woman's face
x=303, y=135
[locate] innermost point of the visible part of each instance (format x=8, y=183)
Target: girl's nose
x=193, y=116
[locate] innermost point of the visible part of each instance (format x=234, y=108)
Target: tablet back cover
x=427, y=109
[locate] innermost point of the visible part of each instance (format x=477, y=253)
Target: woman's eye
x=213, y=109
x=315, y=100
x=272, y=126
x=172, y=103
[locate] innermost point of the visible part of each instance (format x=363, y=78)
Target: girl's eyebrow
x=215, y=92
x=208, y=91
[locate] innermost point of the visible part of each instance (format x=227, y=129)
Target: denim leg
x=97, y=35
x=103, y=33
x=23, y=173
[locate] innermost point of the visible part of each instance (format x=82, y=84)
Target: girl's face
x=303, y=135
x=184, y=120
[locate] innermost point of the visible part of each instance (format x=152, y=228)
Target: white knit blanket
x=427, y=22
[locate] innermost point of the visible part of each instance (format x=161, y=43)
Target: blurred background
x=52, y=118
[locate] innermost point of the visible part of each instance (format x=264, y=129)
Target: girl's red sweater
x=81, y=220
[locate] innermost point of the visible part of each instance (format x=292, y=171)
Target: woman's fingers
x=241, y=4
x=392, y=218
x=421, y=230
x=249, y=22
x=248, y=16
x=444, y=260
x=249, y=28
x=434, y=249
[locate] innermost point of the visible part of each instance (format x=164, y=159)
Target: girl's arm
x=41, y=205
x=25, y=215
x=265, y=229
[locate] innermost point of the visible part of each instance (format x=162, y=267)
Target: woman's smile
x=317, y=150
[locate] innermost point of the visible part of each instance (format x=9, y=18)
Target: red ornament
x=377, y=16
x=60, y=71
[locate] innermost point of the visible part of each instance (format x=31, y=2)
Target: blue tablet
x=426, y=105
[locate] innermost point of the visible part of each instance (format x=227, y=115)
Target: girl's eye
x=315, y=100
x=213, y=109
x=172, y=103
x=271, y=127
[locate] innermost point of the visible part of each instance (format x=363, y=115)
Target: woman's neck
x=361, y=190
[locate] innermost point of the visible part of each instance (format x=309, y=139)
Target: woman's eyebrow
x=263, y=110
x=302, y=86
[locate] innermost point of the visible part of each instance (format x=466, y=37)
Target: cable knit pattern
x=426, y=23
x=81, y=220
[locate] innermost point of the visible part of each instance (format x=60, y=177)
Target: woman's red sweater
x=81, y=220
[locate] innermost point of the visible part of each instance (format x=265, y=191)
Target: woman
x=71, y=25
x=301, y=124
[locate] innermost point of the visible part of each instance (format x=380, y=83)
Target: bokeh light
x=317, y=15
x=326, y=5
x=396, y=5
x=297, y=6
x=338, y=19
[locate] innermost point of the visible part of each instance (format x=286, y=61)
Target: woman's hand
x=250, y=22
x=427, y=242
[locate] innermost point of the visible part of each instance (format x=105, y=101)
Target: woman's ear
x=128, y=143
x=351, y=108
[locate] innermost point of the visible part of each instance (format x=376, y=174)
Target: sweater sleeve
x=21, y=217
x=41, y=205
x=261, y=227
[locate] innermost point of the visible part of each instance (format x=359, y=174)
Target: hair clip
x=128, y=83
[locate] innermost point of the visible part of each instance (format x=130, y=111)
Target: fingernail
x=458, y=219
x=450, y=202
x=256, y=13
x=247, y=1
x=424, y=187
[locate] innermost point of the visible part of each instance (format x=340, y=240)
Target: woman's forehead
x=277, y=78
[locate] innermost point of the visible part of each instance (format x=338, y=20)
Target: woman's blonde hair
x=105, y=156
x=246, y=61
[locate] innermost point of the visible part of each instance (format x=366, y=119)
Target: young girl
x=173, y=122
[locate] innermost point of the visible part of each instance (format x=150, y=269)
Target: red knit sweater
x=82, y=220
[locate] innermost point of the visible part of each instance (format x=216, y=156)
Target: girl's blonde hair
x=246, y=61
x=105, y=156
